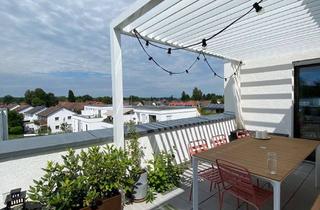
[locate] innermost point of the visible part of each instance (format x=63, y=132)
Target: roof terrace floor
x=297, y=193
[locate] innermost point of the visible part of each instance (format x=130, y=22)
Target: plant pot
x=113, y=203
x=141, y=187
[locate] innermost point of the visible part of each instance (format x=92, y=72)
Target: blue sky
x=64, y=44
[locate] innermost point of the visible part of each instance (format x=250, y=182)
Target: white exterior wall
x=22, y=174
x=63, y=115
x=142, y=116
x=94, y=110
x=267, y=92
x=83, y=124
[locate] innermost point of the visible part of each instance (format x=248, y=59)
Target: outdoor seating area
x=298, y=193
x=262, y=153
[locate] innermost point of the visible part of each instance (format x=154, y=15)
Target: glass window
x=57, y=126
x=56, y=118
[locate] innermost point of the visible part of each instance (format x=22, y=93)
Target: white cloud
x=43, y=36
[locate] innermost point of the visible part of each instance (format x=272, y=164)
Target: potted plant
x=89, y=180
x=138, y=173
x=163, y=173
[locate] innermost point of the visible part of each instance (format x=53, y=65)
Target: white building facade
x=86, y=123
x=55, y=118
x=158, y=114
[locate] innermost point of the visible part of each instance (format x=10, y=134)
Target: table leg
x=276, y=195
x=195, y=183
x=317, y=172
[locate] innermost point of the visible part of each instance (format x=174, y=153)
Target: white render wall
x=142, y=116
x=267, y=92
x=63, y=115
x=83, y=124
x=24, y=170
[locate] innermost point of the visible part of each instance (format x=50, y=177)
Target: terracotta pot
x=113, y=203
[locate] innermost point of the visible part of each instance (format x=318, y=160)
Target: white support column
x=276, y=195
x=117, y=87
x=3, y=124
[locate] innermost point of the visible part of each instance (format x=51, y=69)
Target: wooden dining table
x=252, y=153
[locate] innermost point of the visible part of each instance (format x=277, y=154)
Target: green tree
x=71, y=97
x=37, y=102
x=184, y=96
x=196, y=94
x=65, y=127
x=51, y=100
x=39, y=97
x=28, y=96
x=8, y=99
x=15, y=123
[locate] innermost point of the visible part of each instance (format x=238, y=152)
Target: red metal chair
x=242, y=134
x=237, y=181
x=210, y=174
x=219, y=140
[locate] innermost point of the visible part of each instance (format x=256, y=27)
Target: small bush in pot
x=163, y=173
x=84, y=180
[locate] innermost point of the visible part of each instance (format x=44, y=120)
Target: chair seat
x=262, y=195
x=211, y=175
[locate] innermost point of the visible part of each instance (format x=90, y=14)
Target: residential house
x=147, y=114
x=56, y=119
x=31, y=124
x=86, y=123
x=31, y=115
x=23, y=108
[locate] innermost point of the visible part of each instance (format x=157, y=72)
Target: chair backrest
x=242, y=134
x=236, y=177
x=219, y=140
x=197, y=146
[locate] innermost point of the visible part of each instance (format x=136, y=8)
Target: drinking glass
x=272, y=162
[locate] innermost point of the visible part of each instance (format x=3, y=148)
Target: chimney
x=3, y=124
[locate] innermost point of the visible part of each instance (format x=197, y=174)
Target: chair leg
x=190, y=194
x=221, y=200
x=247, y=206
x=211, y=185
x=238, y=203
x=219, y=192
x=258, y=182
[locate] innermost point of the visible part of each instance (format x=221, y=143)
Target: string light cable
x=150, y=58
x=235, y=73
x=256, y=6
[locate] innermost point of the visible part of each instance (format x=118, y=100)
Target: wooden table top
x=316, y=205
x=252, y=154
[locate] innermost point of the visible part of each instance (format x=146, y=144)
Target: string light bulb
x=147, y=43
x=204, y=44
x=150, y=58
x=259, y=9
x=169, y=51
x=187, y=71
x=225, y=79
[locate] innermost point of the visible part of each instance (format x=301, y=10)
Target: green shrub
x=16, y=130
x=82, y=179
x=163, y=173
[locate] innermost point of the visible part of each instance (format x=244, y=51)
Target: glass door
x=307, y=103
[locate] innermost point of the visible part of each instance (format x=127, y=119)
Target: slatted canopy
x=284, y=26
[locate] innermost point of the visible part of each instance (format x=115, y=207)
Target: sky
x=64, y=44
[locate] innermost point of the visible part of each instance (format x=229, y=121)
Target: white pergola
x=285, y=26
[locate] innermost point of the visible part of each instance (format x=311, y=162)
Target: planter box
x=113, y=203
